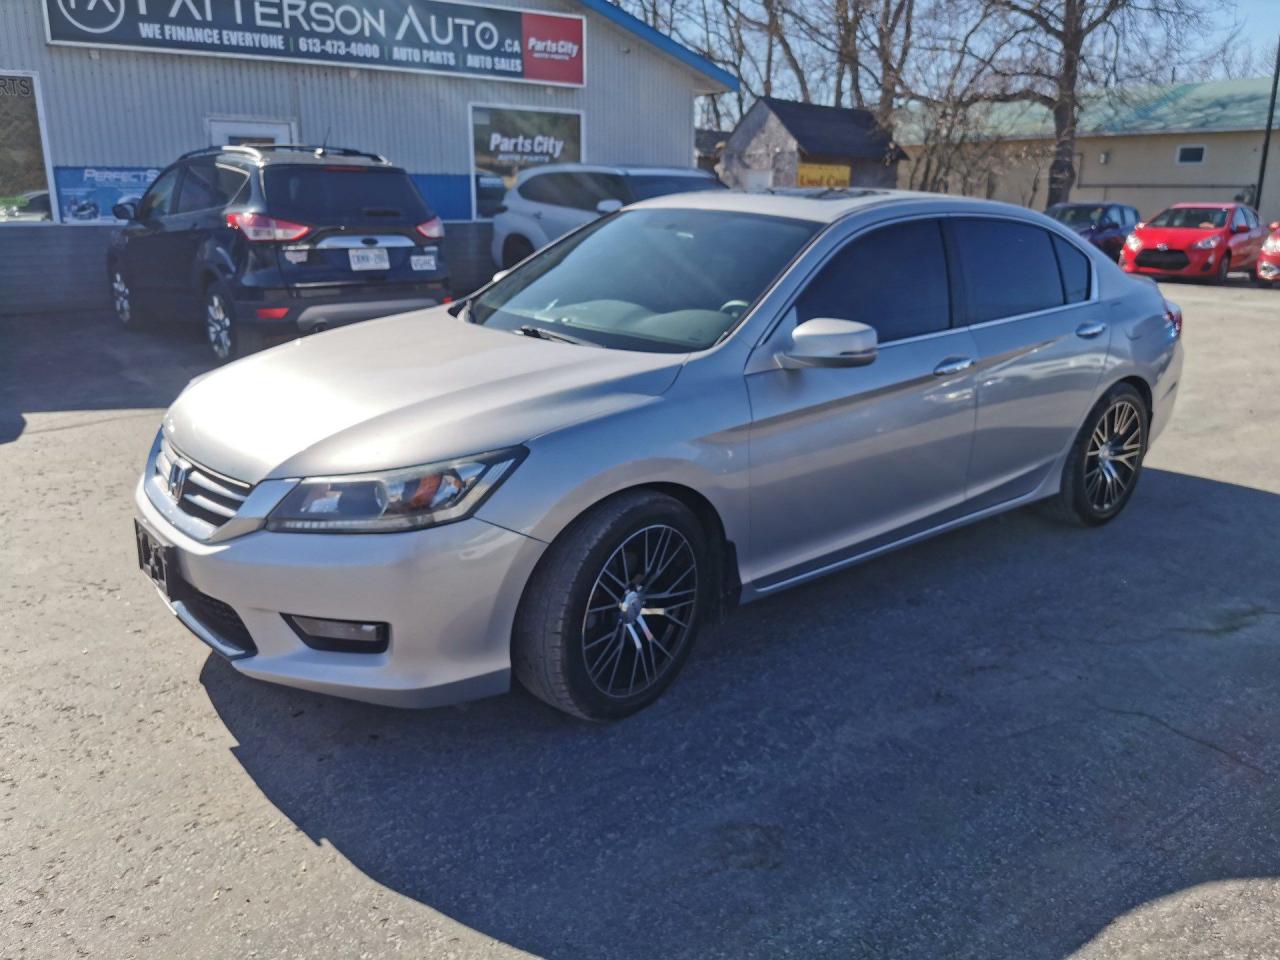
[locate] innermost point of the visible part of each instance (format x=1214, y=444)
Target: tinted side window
x=1237, y=219
x=199, y=187
x=1009, y=268
x=1075, y=270
x=553, y=188
x=880, y=280
x=601, y=186
x=1133, y=217
x=159, y=199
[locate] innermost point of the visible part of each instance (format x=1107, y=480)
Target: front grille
x=218, y=618
x=197, y=490
x=1163, y=259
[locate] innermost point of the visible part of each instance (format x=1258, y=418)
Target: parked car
x=547, y=202
x=1268, y=272
x=275, y=240
x=1205, y=240
x=32, y=205
x=1105, y=225
x=694, y=402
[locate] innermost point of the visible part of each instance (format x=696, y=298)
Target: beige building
x=1147, y=148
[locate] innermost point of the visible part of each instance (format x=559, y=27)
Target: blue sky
x=1261, y=20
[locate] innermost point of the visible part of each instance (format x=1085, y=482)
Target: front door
x=844, y=460
x=1042, y=345
x=148, y=260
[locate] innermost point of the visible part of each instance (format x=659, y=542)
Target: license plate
x=375, y=259
x=158, y=561
x=423, y=261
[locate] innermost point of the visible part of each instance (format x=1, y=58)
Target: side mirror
x=608, y=206
x=1108, y=225
x=500, y=274
x=1241, y=228
x=828, y=342
x=124, y=211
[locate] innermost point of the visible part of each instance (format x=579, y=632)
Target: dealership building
x=97, y=96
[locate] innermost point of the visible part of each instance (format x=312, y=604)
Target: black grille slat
x=1163, y=259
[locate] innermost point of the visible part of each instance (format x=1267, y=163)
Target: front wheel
x=1224, y=268
x=1105, y=461
x=611, y=613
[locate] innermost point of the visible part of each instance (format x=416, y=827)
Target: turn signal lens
x=264, y=229
x=433, y=229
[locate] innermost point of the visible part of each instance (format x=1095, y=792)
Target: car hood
x=401, y=391
x=1178, y=238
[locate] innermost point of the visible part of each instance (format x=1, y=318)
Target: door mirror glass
x=1240, y=228
x=829, y=342
x=607, y=206
x=124, y=211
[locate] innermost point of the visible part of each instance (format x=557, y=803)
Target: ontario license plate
x=157, y=560
x=375, y=259
x=423, y=261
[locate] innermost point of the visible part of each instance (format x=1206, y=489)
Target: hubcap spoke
x=640, y=611
x=1112, y=456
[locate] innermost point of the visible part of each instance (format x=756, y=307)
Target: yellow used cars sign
x=822, y=175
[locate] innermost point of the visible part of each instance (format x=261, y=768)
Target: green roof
x=1216, y=106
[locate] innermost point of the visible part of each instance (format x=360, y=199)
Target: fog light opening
x=340, y=636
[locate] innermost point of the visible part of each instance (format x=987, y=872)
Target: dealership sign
x=426, y=36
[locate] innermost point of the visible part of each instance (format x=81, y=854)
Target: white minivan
x=547, y=202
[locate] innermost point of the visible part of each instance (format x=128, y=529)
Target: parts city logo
x=542, y=49
x=93, y=16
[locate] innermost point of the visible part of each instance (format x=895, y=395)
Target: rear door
x=1042, y=338
x=207, y=187
x=363, y=226
x=846, y=459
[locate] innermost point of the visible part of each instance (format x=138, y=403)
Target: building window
x=506, y=140
x=1189, y=155
x=26, y=184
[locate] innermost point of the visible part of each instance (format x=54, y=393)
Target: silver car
x=698, y=401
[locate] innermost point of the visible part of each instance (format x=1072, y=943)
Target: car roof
x=828, y=205
x=293, y=154
x=1211, y=204
x=625, y=170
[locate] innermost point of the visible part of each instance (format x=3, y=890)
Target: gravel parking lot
x=1018, y=740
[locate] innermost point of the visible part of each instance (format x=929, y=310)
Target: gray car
x=698, y=401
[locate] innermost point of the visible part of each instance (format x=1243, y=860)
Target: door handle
x=1090, y=330
x=953, y=365
x=537, y=214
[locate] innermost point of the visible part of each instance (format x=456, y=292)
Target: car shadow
x=84, y=361
x=990, y=744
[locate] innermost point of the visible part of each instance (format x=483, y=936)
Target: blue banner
x=87, y=194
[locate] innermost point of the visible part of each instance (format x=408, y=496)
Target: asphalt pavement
x=1017, y=740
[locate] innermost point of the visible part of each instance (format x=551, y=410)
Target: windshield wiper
x=542, y=333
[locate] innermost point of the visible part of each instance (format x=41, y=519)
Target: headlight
x=393, y=500
x=1133, y=243
x=1273, y=244
x=1208, y=243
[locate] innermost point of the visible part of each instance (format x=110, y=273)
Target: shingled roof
x=830, y=131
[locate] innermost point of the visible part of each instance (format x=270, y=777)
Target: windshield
x=665, y=280
x=647, y=185
x=342, y=194
x=1196, y=218
x=1077, y=216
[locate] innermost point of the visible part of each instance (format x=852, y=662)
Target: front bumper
x=1199, y=263
x=449, y=594
x=1269, y=267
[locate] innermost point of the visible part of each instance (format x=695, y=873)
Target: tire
x=514, y=250
x=122, y=299
x=228, y=339
x=575, y=646
x=1087, y=497
x=1224, y=269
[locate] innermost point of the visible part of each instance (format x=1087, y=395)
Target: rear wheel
x=611, y=613
x=1105, y=461
x=226, y=336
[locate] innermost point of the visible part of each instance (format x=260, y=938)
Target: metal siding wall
x=143, y=109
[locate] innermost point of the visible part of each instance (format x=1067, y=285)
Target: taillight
x=263, y=229
x=1173, y=317
x=433, y=229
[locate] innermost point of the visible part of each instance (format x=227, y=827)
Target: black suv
x=272, y=241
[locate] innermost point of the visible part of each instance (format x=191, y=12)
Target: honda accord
x=697, y=401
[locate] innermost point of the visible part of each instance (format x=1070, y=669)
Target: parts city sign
x=425, y=36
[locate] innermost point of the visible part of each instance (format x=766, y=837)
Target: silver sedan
x=692, y=403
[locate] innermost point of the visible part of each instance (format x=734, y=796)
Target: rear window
x=647, y=185
x=1197, y=218
x=338, y=194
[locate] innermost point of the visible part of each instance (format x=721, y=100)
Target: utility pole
x=1266, y=141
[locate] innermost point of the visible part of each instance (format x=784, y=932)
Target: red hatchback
x=1268, y=269
x=1195, y=240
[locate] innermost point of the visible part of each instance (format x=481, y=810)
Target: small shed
x=782, y=143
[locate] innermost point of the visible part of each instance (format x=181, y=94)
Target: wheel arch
x=1143, y=388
